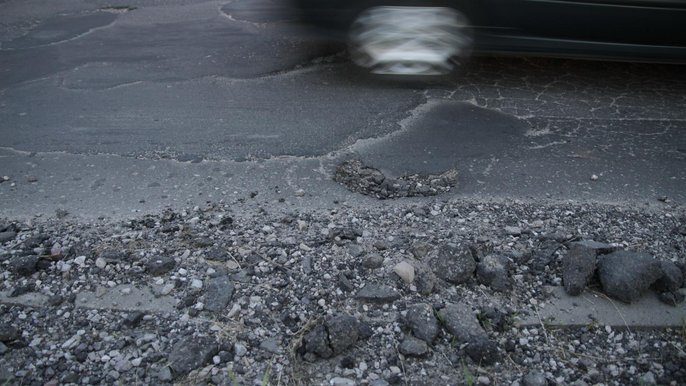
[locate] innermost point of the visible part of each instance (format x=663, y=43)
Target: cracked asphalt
x=109, y=111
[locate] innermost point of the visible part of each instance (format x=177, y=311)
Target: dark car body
x=641, y=30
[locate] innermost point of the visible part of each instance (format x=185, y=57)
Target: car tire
x=410, y=40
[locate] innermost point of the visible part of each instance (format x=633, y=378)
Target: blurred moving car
x=415, y=37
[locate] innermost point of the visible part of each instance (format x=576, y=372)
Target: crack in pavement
x=37, y=30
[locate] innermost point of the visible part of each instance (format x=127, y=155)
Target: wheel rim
x=409, y=40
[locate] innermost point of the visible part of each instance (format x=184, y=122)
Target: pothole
x=369, y=181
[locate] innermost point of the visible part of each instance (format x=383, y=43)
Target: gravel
x=314, y=297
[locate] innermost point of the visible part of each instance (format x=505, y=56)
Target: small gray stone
x=190, y=353
x=513, y=231
x=377, y=294
x=100, y=263
x=405, y=271
x=672, y=278
x=493, y=271
x=648, y=379
x=422, y=322
x=113, y=256
x=164, y=374
x=218, y=293
x=134, y=318
x=3, y=348
x=271, y=345
x=355, y=250
x=23, y=265
x=160, y=265
x=372, y=261
x=534, y=378
x=626, y=275
x=344, y=283
x=453, y=264
x=420, y=250
x=340, y=381
x=307, y=264
x=218, y=254
x=7, y=236
x=240, y=349
x=414, y=347
x=578, y=266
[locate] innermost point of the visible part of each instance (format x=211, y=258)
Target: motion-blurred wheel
x=404, y=40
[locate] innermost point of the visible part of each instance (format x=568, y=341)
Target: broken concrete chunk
x=578, y=267
x=332, y=337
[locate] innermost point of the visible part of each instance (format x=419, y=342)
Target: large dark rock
x=454, y=264
x=493, y=271
x=8, y=333
x=626, y=275
x=482, y=351
x=413, y=347
x=7, y=236
x=461, y=322
x=425, y=280
x=23, y=265
x=377, y=293
x=218, y=293
x=218, y=254
x=160, y=265
x=422, y=322
x=317, y=342
x=35, y=241
x=190, y=353
x=578, y=267
x=672, y=278
x=343, y=332
x=332, y=337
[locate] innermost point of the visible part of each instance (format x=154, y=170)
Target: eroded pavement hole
x=370, y=181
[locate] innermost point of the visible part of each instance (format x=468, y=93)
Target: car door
x=634, y=22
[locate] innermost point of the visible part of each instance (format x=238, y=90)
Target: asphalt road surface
x=109, y=111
